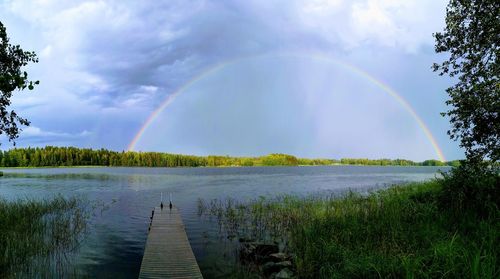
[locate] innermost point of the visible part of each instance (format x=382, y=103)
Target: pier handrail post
x=161, y=201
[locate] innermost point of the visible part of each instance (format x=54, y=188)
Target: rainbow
x=171, y=97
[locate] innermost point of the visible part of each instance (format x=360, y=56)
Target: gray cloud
x=100, y=60
x=114, y=47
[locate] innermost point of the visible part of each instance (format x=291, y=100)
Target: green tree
x=12, y=59
x=471, y=38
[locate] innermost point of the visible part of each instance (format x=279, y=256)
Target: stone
x=247, y=252
x=284, y=264
x=266, y=249
x=279, y=257
x=257, y=252
x=269, y=268
x=262, y=252
x=284, y=274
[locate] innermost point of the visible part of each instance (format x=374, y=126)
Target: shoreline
x=214, y=167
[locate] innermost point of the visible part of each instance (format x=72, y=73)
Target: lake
x=117, y=233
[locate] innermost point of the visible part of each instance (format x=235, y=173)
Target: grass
x=35, y=235
x=399, y=232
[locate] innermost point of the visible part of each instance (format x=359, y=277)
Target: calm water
x=117, y=235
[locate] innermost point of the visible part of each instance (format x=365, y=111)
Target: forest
x=51, y=156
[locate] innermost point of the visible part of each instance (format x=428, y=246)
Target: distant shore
x=81, y=157
x=189, y=167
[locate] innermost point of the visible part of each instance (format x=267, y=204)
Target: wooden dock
x=168, y=253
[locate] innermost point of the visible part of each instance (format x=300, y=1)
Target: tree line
x=396, y=162
x=51, y=156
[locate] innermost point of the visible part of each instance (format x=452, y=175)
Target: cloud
x=36, y=132
x=35, y=136
x=104, y=50
x=142, y=95
x=407, y=24
x=106, y=65
x=375, y=23
x=46, y=52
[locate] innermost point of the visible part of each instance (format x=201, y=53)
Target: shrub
x=472, y=188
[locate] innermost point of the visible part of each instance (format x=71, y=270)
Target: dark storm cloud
x=155, y=50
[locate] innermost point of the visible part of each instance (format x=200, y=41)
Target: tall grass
x=393, y=233
x=35, y=235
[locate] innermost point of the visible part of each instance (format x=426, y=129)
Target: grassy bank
x=36, y=235
x=394, y=233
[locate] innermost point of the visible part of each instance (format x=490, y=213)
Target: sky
x=313, y=78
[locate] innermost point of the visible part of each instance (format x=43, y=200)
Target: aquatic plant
x=397, y=232
x=37, y=235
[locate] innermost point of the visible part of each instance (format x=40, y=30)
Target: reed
x=398, y=232
x=37, y=235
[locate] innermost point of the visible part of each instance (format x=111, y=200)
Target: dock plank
x=168, y=253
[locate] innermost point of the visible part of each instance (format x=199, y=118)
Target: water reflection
x=121, y=257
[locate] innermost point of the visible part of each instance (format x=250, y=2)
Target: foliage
x=316, y=162
x=395, y=162
x=380, y=162
x=35, y=234
x=72, y=156
x=393, y=233
x=279, y=160
x=472, y=188
x=472, y=39
x=12, y=59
